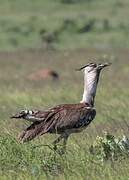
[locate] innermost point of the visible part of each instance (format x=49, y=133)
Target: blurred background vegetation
x=64, y=24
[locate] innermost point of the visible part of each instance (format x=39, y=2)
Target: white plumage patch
x=26, y=111
x=30, y=112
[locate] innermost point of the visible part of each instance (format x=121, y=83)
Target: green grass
x=36, y=159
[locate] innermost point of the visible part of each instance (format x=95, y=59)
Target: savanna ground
x=62, y=36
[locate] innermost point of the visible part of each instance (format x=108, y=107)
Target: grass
x=36, y=159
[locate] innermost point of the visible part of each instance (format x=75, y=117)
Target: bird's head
x=93, y=67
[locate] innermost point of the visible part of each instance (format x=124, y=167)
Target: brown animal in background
x=43, y=74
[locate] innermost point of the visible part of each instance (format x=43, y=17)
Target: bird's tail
x=41, y=123
x=34, y=130
x=30, y=133
x=22, y=114
x=29, y=115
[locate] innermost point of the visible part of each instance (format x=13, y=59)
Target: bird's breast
x=85, y=120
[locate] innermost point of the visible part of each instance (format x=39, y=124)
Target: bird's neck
x=90, y=86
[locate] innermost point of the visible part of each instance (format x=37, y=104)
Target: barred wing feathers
x=60, y=119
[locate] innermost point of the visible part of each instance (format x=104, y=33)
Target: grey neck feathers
x=90, y=86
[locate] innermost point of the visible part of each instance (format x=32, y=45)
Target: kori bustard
x=65, y=119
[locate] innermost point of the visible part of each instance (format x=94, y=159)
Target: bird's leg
x=65, y=137
x=57, y=141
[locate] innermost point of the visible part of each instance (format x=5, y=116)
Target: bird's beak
x=101, y=66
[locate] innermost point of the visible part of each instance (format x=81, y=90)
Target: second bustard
x=65, y=119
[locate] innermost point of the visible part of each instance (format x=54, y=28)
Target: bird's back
x=72, y=117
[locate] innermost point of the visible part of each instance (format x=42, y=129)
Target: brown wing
x=72, y=118
x=59, y=119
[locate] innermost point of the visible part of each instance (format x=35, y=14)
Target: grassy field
x=62, y=35
x=36, y=160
